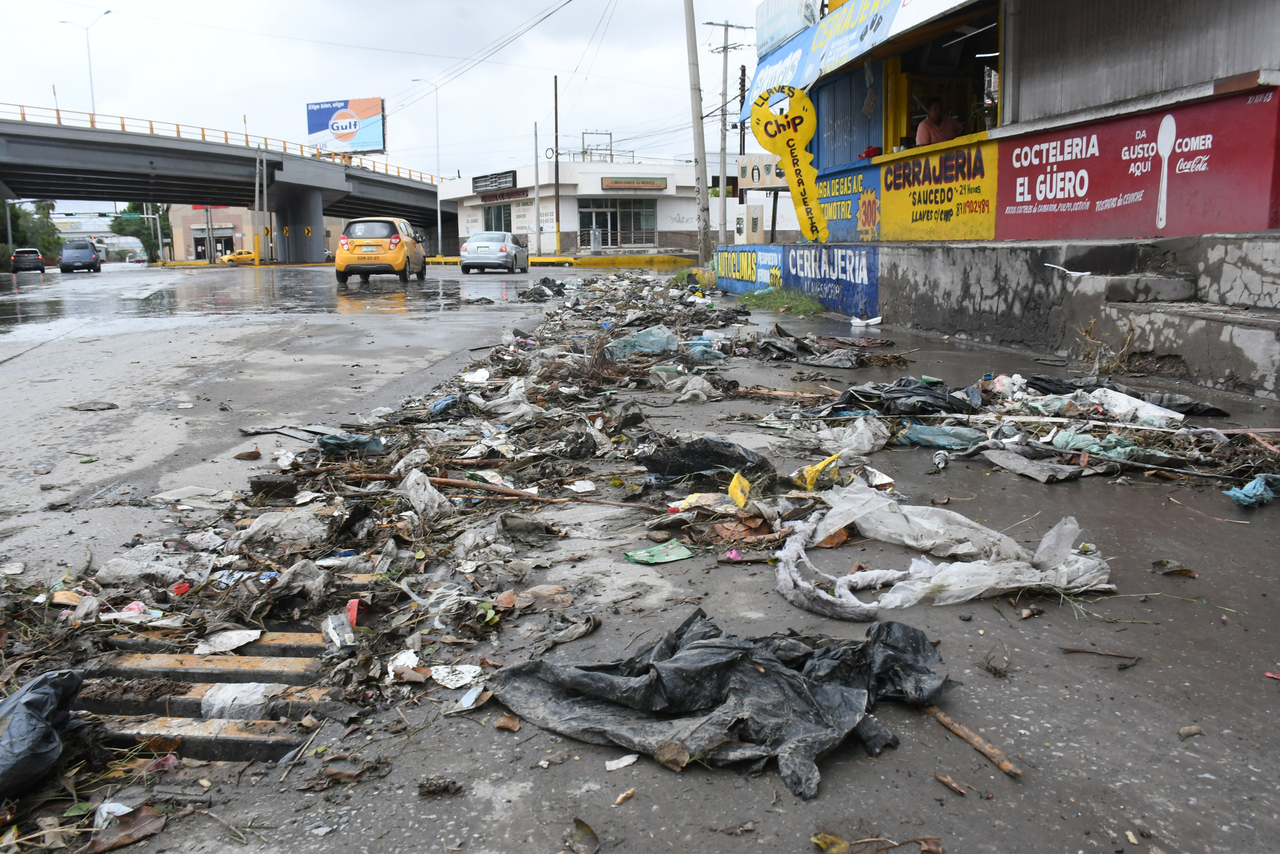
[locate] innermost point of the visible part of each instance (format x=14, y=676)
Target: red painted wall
x=1103, y=179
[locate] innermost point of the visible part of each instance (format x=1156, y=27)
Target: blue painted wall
x=843, y=277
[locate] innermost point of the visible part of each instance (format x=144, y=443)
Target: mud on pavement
x=657, y=573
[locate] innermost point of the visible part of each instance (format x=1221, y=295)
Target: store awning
x=851, y=31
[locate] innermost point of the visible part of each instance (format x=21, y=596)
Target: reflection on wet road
x=129, y=291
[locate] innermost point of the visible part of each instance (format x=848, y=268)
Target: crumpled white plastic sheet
x=863, y=437
x=840, y=604
x=1054, y=567
x=940, y=532
x=999, y=563
x=428, y=502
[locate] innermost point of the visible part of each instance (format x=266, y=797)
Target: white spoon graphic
x=1164, y=147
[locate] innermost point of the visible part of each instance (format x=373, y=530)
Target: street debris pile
x=405, y=557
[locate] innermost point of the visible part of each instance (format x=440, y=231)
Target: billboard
x=354, y=126
x=1189, y=169
x=779, y=20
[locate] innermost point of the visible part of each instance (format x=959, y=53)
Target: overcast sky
x=622, y=67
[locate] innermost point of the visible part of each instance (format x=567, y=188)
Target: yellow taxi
x=378, y=245
x=240, y=256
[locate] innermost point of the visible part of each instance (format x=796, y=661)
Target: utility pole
x=699, y=142
x=742, y=105
x=537, y=194
x=724, y=123
x=556, y=83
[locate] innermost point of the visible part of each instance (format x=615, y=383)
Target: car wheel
x=364, y=278
x=422, y=271
x=42, y=269
x=403, y=275
x=63, y=270
x=342, y=278
x=465, y=270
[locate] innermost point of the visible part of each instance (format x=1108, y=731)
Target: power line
x=457, y=70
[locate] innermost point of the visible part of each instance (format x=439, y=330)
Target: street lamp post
x=439, y=216
x=93, y=103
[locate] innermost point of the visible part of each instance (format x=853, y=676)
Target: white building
x=636, y=206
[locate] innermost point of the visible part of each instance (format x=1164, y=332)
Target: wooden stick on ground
x=979, y=743
x=502, y=490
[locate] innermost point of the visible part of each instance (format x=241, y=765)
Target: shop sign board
x=633, y=183
x=788, y=136
x=843, y=277
x=941, y=195
x=778, y=20
x=1191, y=169
x=850, y=200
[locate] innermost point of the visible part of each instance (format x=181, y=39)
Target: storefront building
x=1076, y=120
x=621, y=206
x=232, y=230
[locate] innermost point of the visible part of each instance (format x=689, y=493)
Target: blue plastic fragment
x=1256, y=492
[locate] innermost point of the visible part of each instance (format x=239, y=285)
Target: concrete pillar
x=302, y=210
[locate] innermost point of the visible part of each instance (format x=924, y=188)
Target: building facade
x=624, y=206
x=232, y=230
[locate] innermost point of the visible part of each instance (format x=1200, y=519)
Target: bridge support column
x=302, y=214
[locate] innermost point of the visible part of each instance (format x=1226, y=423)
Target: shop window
x=958, y=63
x=497, y=217
x=850, y=117
x=622, y=222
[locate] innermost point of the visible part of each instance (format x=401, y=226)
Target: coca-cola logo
x=1193, y=164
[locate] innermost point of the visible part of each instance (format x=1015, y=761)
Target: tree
x=143, y=229
x=34, y=229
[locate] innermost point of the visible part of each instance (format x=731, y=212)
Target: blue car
x=79, y=255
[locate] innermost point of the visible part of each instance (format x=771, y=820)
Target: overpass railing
x=74, y=118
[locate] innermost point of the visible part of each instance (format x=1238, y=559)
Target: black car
x=26, y=259
x=80, y=255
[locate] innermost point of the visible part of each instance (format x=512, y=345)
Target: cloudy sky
x=622, y=68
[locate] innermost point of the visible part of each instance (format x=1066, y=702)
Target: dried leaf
x=138, y=824
x=931, y=846
x=672, y=755
x=582, y=839
x=835, y=539
x=624, y=797
x=830, y=844
x=255, y=454
x=510, y=722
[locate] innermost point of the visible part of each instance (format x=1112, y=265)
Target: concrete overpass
x=114, y=159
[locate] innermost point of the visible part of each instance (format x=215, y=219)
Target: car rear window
x=489, y=237
x=375, y=229
x=79, y=244
x=27, y=252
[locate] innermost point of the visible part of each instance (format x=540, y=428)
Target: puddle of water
x=133, y=292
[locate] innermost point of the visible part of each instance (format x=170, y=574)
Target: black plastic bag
x=708, y=458
x=724, y=699
x=31, y=723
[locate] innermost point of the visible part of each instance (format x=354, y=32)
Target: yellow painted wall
x=940, y=192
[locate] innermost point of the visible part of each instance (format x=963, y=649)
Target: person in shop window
x=936, y=126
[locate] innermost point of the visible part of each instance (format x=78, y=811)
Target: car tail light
x=502, y=249
x=464, y=247
x=395, y=241
x=342, y=241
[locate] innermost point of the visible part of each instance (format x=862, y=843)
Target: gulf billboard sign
x=354, y=126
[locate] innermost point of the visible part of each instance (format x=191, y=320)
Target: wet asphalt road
x=137, y=293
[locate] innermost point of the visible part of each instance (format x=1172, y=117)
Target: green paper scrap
x=665, y=553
